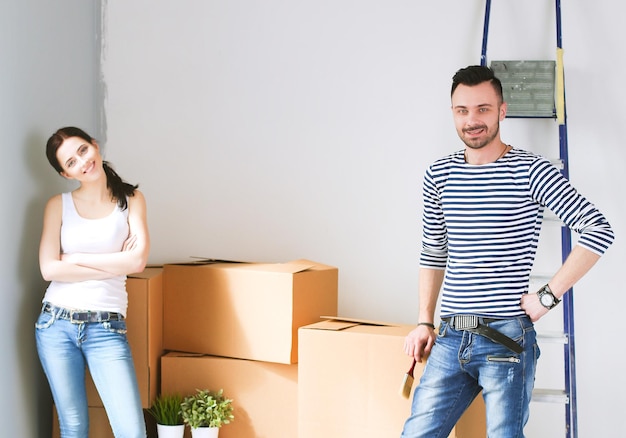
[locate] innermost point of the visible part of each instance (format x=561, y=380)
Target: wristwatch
x=547, y=298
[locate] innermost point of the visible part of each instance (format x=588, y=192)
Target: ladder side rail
x=483, y=52
x=571, y=412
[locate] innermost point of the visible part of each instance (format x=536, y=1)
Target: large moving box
x=144, y=322
x=264, y=394
x=350, y=373
x=245, y=310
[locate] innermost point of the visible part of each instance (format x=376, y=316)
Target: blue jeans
x=65, y=348
x=460, y=366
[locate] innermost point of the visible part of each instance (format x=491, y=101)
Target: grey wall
x=50, y=63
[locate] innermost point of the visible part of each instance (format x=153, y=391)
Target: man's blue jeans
x=462, y=364
x=65, y=348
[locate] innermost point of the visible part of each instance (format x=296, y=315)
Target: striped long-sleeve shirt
x=481, y=224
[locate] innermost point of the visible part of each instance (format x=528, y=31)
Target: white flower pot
x=165, y=431
x=205, y=432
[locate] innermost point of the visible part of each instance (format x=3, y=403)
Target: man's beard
x=480, y=143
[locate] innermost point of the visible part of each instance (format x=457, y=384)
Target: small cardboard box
x=245, y=310
x=264, y=394
x=144, y=322
x=350, y=374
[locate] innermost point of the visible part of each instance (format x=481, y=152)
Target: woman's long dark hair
x=119, y=188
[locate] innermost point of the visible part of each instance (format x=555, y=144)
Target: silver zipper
x=510, y=359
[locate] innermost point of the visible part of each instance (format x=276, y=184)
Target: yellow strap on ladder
x=560, y=88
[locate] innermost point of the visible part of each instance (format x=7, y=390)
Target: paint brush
x=407, y=382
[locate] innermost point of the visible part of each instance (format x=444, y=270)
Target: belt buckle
x=465, y=322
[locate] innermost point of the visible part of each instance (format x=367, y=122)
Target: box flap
x=147, y=273
x=358, y=321
x=315, y=265
x=332, y=325
x=196, y=260
x=292, y=267
x=338, y=323
x=280, y=268
x=181, y=354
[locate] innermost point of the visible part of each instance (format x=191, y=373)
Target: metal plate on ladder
x=550, y=396
x=528, y=87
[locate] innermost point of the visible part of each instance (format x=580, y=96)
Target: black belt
x=478, y=325
x=77, y=317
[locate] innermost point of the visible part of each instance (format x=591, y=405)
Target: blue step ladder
x=555, y=110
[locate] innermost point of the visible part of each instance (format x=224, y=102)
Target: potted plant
x=166, y=410
x=206, y=411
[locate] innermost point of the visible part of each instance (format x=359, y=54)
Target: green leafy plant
x=166, y=409
x=207, y=409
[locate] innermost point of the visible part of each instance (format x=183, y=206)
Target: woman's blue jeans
x=460, y=366
x=65, y=348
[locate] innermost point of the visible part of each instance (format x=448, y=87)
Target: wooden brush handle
x=412, y=367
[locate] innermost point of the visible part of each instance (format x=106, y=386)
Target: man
x=483, y=208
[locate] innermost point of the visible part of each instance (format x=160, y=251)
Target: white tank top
x=103, y=235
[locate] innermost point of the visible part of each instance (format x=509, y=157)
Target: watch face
x=547, y=300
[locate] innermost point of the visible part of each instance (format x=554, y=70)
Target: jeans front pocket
x=44, y=321
x=512, y=328
x=443, y=328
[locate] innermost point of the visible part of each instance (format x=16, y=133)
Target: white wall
x=274, y=130
x=50, y=54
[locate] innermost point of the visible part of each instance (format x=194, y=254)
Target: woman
x=92, y=238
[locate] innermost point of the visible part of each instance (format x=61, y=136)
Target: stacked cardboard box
x=234, y=326
x=245, y=310
x=265, y=394
x=350, y=376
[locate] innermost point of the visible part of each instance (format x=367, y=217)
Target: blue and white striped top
x=482, y=224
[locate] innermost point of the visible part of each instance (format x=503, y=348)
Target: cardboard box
x=264, y=394
x=144, y=321
x=350, y=375
x=245, y=310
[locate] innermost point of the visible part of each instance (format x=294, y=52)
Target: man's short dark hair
x=475, y=75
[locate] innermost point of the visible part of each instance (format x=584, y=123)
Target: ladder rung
x=548, y=216
x=542, y=115
x=553, y=337
x=558, y=163
x=540, y=278
x=550, y=396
